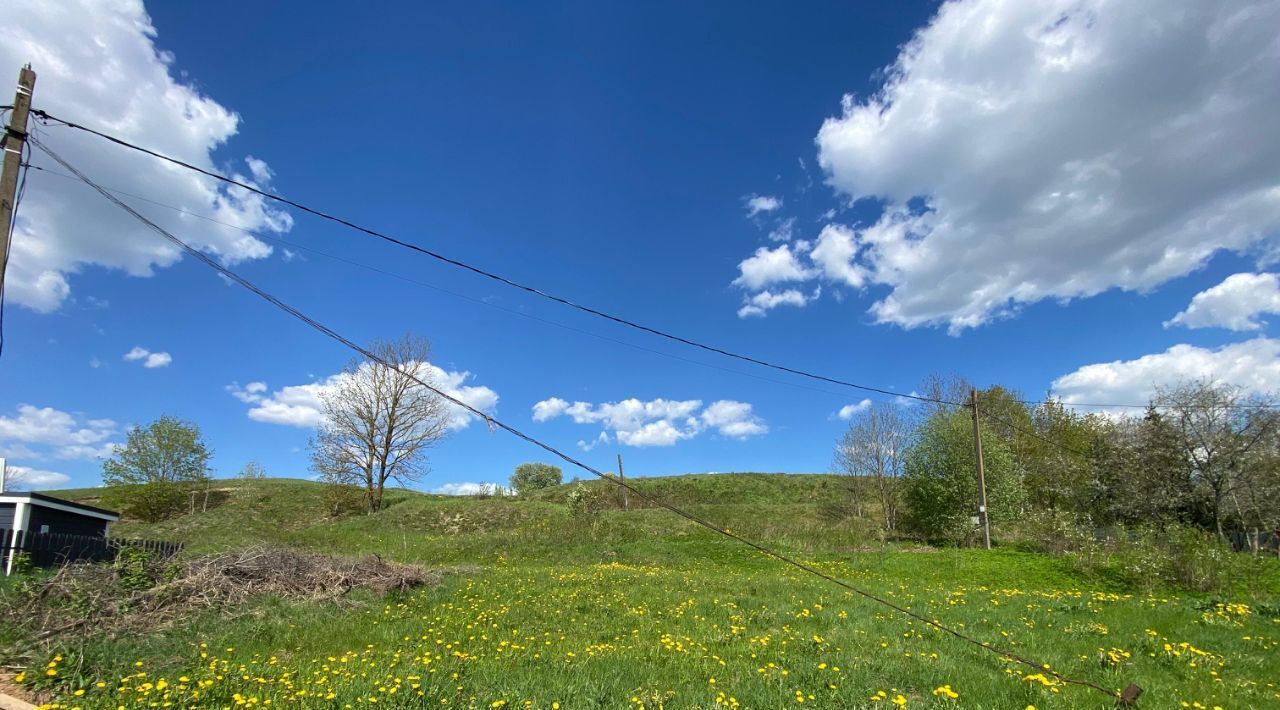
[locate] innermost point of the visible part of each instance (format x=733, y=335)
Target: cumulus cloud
x=23, y=478
x=97, y=63
x=1234, y=304
x=658, y=422
x=834, y=253
x=549, y=409
x=733, y=419
x=769, y=266
x=601, y=438
x=465, y=488
x=45, y=433
x=250, y=393
x=761, y=203
x=302, y=405
x=765, y=301
x=1253, y=365
x=1056, y=149
x=148, y=358
x=847, y=411
x=784, y=230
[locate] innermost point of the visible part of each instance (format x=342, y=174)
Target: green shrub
x=941, y=489
x=22, y=563
x=341, y=499
x=133, y=566
x=533, y=476
x=587, y=501
x=148, y=502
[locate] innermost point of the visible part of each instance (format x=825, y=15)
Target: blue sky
x=1018, y=211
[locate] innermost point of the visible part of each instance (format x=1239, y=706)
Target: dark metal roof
x=38, y=498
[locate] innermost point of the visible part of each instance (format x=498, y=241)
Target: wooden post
x=982, y=479
x=14, y=139
x=626, y=500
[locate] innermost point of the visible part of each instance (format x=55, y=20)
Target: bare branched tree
x=379, y=423
x=875, y=446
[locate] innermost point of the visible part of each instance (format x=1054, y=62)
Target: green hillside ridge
x=545, y=609
x=797, y=511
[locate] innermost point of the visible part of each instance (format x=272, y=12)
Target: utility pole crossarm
x=15, y=138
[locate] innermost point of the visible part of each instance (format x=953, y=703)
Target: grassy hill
x=799, y=511
x=642, y=608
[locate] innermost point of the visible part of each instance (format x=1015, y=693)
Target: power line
x=479, y=271
x=538, y=292
x=1033, y=433
x=433, y=287
x=210, y=262
x=1148, y=405
x=482, y=302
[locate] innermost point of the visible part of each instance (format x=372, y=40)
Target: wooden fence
x=52, y=549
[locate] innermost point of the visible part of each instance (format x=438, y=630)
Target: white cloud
x=659, y=433
x=765, y=301
x=769, y=266
x=1052, y=149
x=834, y=256
x=762, y=203
x=466, y=488
x=847, y=411
x=1253, y=365
x=301, y=405
x=602, y=438
x=148, y=358
x=45, y=432
x=733, y=419
x=97, y=63
x=1234, y=304
x=784, y=231
x=659, y=422
x=22, y=478
x=549, y=409
x=250, y=393
x=259, y=169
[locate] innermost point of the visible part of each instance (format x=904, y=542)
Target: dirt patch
x=14, y=696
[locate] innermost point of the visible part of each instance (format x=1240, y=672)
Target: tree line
x=1201, y=454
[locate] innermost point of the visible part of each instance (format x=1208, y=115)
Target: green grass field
x=643, y=609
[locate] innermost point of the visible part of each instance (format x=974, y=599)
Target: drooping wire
x=1032, y=433
x=433, y=287
x=373, y=357
x=45, y=116
x=479, y=271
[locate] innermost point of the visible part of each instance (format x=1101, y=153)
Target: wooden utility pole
x=15, y=137
x=982, y=478
x=626, y=501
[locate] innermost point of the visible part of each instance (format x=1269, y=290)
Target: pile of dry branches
x=99, y=596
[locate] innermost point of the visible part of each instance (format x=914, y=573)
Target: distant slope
x=798, y=511
x=722, y=488
x=242, y=512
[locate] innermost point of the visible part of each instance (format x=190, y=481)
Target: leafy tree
x=1161, y=485
x=530, y=477
x=1056, y=457
x=941, y=492
x=158, y=465
x=252, y=470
